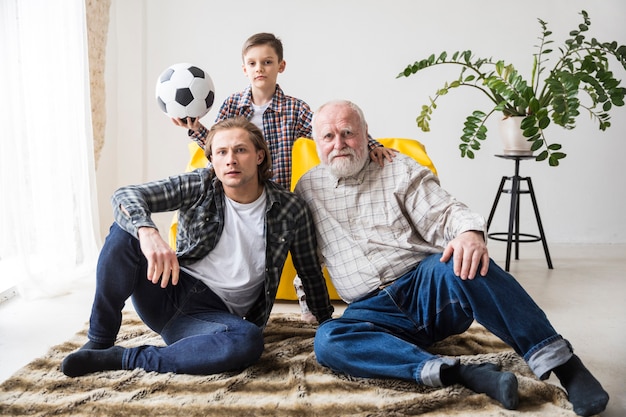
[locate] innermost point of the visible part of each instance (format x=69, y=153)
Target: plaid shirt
x=199, y=197
x=378, y=225
x=285, y=120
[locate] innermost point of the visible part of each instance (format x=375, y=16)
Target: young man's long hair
x=256, y=137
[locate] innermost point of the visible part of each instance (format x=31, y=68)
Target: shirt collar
x=275, y=104
x=273, y=192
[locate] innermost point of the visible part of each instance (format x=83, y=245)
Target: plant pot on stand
x=516, y=147
x=513, y=140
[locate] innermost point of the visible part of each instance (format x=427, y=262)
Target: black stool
x=514, y=235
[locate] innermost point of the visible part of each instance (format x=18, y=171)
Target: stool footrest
x=523, y=237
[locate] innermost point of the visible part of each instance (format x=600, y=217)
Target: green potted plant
x=554, y=97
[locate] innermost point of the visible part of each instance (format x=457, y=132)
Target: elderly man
x=211, y=299
x=413, y=265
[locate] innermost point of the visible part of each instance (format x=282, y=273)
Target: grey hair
x=354, y=107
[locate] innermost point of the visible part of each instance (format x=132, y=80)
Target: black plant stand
x=513, y=235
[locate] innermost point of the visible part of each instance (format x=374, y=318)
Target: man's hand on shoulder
x=162, y=260
x=469, y=252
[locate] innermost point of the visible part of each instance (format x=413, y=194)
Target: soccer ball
x=184, y=90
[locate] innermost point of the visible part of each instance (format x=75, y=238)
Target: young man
x=211, y=300
x=413, y=265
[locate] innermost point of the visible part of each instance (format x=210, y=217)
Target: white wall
x=354, y=49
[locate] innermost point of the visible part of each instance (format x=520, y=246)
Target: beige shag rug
x=287, y=381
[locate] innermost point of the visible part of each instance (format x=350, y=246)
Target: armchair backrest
x=304, y=155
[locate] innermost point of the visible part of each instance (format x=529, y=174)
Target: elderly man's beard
x=347, y=167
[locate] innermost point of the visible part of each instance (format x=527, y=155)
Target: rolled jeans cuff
x=548, y=357
x=430, y=374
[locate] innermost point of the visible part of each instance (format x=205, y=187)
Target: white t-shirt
x=257, y=116
x=235, y=268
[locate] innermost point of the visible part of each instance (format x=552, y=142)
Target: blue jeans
x=202, y=336
x=385, y=334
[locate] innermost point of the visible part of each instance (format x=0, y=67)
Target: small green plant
x=582, y=67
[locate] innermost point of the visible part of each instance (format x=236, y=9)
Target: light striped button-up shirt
x=378, y=225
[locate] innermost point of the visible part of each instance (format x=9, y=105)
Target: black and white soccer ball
x=184, y=90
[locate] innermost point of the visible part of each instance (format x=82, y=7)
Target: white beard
x=347, y=167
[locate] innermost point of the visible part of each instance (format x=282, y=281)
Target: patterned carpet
x=287, y=381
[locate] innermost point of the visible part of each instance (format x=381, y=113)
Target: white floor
x=584, y=297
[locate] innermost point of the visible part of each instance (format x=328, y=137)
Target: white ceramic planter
x=514, y=142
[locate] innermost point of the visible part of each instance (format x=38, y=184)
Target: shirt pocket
x=382, y=223
x=198, y=226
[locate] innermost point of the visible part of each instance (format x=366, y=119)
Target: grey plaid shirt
x=378, y=225
x=199, y=198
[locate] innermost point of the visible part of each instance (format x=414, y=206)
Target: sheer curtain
x=48, y=238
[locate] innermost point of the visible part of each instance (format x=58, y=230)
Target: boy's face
x=261, y=66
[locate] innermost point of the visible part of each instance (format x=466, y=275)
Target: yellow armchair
x=304, y=157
